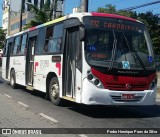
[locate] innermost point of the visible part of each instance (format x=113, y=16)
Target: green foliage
x=108, y=9
x=2, y=38
x=151, y=20
x=153, y=26
x=127, y=13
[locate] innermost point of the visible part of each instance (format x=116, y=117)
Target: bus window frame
x=5, y=49
x=8, y=40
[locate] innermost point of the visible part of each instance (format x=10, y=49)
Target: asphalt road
x=20, y=108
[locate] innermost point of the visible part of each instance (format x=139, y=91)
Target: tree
x=42, y=14
x=2, y=38
x=112, y=10
x=108, y=9
x=130, y=14
x=153, y=26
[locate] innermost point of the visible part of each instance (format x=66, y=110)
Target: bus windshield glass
x=118, y=43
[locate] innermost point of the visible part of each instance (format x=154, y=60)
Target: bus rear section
x=119, y=65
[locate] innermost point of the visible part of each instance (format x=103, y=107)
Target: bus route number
x=95, y=23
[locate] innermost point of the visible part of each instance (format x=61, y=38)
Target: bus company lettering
x=44, y=64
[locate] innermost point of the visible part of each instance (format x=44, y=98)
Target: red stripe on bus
x=36, y=65
x=112, y=16
x=33, y=28
x=118, y=83
x=58, y=65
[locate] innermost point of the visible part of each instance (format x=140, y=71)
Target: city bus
x=87, y=58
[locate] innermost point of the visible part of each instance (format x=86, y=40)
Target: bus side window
x=19, y=46
x=48, y=40
x=57, y=37
x=16, y=44
x=23, y=44
x=40, y=42
x=5, y=49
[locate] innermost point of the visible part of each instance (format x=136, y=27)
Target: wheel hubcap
x=55, y=90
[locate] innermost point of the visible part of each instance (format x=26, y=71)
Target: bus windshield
x=116, y=43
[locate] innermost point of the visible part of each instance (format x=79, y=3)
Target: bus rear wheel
x=54, y=92
x=13, y=79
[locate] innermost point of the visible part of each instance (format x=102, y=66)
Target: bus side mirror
x=81, y=33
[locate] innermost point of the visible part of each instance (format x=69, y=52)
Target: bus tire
x=54, y=92
x=13, y=79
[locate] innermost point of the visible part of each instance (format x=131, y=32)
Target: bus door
x=70, y=62
x=9, y=50
x=32, y=39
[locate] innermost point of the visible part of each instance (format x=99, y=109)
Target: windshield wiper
x=135, y=53
x=113, y=51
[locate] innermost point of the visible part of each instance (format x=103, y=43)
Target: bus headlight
x=90, y=76
x=94, y=80
x=153, y=84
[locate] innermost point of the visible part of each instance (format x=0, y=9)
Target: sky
x=94, y=4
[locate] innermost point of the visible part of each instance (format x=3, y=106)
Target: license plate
x=127, y=96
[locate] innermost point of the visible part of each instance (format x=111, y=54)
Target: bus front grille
x=122, y=87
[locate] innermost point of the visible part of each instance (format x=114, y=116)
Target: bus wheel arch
x=13, y=78
x=52, y=87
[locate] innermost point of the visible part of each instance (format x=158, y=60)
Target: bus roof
x=113, y=16
x=77, y=15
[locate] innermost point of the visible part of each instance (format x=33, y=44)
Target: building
x=11, y=13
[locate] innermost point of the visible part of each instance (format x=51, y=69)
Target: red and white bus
x=88, y=58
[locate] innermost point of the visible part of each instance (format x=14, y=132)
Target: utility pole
x=55, y=7
x=84, y=5
x=20, y=18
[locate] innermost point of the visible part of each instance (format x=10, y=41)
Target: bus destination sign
x=117, y=24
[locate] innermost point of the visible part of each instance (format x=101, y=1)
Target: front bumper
x=91, y=95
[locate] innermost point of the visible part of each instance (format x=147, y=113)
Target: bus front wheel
x=13, y=79
x=54, y=92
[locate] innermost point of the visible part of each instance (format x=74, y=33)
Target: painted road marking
x=24, y=105
x=48, y=117
x=82, y=135
x=8, y=96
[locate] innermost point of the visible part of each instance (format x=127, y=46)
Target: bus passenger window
x=39, y=48
x=51, y=45
x=49, y=40
x=57, y=37
x=59, y=44
x=16, y=44
x=23, y=44
x=5, y=48
x=19, y=46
